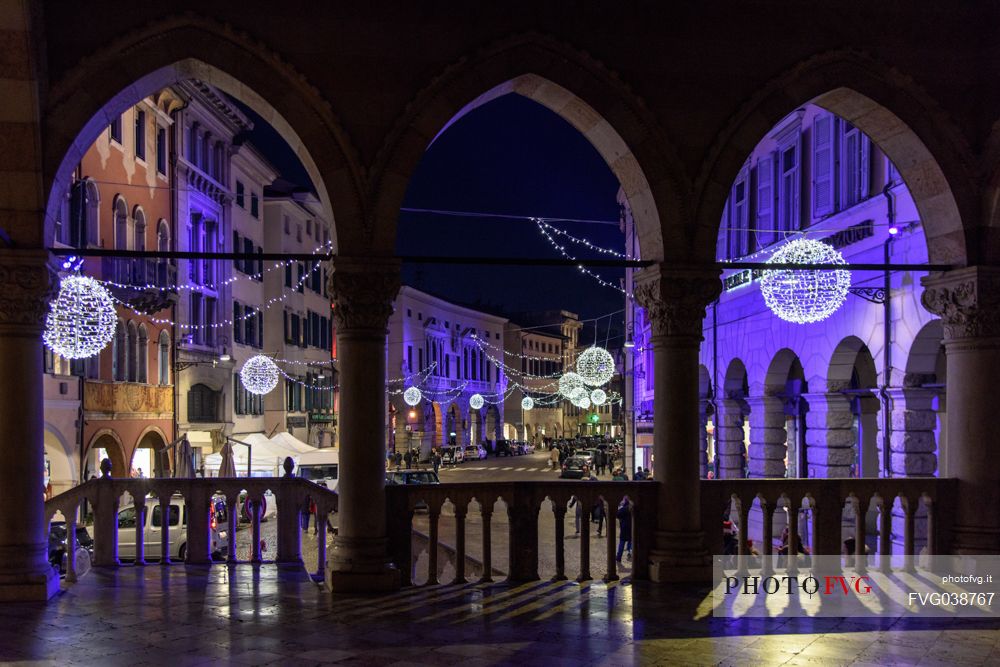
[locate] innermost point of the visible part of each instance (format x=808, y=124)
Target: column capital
x=967, y=301
x=28, y=282
x=675, y=298
x=362, y=290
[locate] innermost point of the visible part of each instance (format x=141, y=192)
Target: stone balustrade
x=292, y=495
x=828, y=502
x=524, y=501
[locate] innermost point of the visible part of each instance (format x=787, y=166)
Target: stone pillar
x=703, y=409
x=27, y=283
x=913, y=443
x=830, y=438
x=674, y=300
x=362, y=290
x=968, y=303
x=729, y=437
x=768, y=438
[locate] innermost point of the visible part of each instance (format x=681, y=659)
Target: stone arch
x=153, y=438
x=923, y=361
x=62, y=473
x=188, y=46
x=930, y=153
x=704, y=382
x=108, y=440
x=735, y=383
x=850, y=357
x=572, y=85
x=785, y=366
x=852, y=371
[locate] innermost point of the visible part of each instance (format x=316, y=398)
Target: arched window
x=164, y=358
x=92, y=207
x=131, y=337
x=163, y=245
x=142, y=354
x=139, y=232
x=121, y=224
x=118, y=345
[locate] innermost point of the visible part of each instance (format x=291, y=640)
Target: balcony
x=127, y=397
x=153, y=282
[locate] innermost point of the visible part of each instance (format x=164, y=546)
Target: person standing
x=408, y=459
x=597, y=514
x=554, y=458
x=436, y=457
x=624, y=515
x=575, y=502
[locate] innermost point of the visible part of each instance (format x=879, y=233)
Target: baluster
x=232, y=520
x=584, y=541
x=106, y=519
x=909, y=510
x=199, y=533
x=140, y=529
x=743, y=534
x=885, y=534
x=612, y=573
x=931, y=527
x=71, y=546
x=433, y=515
x=860, y=515
x=165, y=529
x=255, y=507
x=792, y=558
x=559, y=510
x=487, y=513
x=460, y=511
x=321, y=518
x=767, y=538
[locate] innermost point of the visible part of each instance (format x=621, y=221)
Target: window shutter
x=866, y=152
x=823, y=167
x=765, y=201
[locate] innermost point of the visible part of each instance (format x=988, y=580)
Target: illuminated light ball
x=527, y=403
x=577, y=395
x=259, y=375
x=583, y=403
x=82, y=320
x=412, y=396
x=802, y=296
x=568, y=383
x=476, y=401
x=596, y=366
x=598, y=397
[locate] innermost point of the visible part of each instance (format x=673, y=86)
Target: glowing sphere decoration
x=598, y=397
x=476, y=401
x=583, y=403
x=527, y=403
x=412, y=396
x=568, y=383
x=82, y=320
x=259, y=375
x=577, y=395
x=802, y=296
x=596, y=366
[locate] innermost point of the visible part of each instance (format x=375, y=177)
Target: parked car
x=321, y=467
x=573, y=467
x=411, y=477
x=505, y=448
x=452, y=455
x=178, y=522
x=84, y=544
x=474, y=452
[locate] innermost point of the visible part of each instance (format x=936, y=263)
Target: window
x=288, y=274
x=210, y=321
x=139, y=232
x=142, y=354
x=260, y=329
x=298, y=232
x=255, y=205
x=161, y=150
x=193, y=144
x=409, y=358
x=240, y=194
x=854, y=164
x=140, y=134
x=409, y=313
x=824, y=165
x=157, y=519
x=115, y=130
x=164, y=358
x=202, y=402
x=250, y=326
x=237, y=263
x=309, y=227
x=288, y=226
x=296, y=333
x=739, y=225
x=118, y=346
x=196, y=330
x=237, y=322
x=299, y=286
x=248, y=264
x=121, y=224
x=764, y=225
x=788, y=184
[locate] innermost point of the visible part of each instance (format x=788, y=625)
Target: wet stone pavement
x=257, y=615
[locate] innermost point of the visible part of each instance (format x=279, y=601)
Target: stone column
x=830, y=438
x=729, y=438
x=913, y=443
x=362, y=290
x=768, y=438
x=968, y=303
x=675, y=301
x=27, y=283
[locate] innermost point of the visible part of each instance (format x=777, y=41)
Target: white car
x=178, y=529
x=474, y=452
x=452, y=455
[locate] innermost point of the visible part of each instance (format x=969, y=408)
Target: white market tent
x=268, y=455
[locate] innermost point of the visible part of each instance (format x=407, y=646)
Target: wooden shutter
x=823, y=165
x=765, y=201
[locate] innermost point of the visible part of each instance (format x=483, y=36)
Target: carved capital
x=675, y=298
x=27, y=284
x=362, y=290
x=967, y=301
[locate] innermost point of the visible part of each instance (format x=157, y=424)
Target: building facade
x=445, y=351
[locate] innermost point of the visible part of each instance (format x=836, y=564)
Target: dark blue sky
x=510, y=156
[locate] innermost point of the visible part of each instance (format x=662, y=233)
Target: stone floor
x=248, y=615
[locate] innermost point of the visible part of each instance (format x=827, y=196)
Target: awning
x=201, y=440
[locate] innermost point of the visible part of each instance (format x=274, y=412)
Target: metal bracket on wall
x=872, y=294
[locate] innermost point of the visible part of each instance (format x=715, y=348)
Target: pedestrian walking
x=436, y=457
x=408, y=459
x=554, y=458
x=398, y=460
x=575, y=502
x=624, y=515
x=597, y=514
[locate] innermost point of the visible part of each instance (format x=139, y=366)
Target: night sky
x=510, y=156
